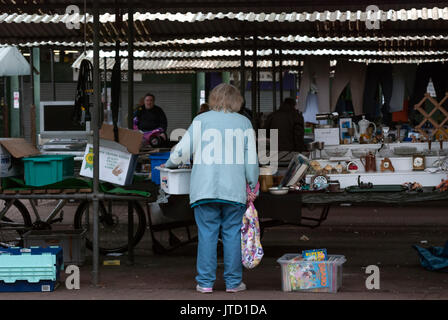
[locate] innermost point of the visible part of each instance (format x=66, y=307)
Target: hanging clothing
x=378, y=74
x=402, y=115
x=403, y=83
x=353, y=74
x=316, y=70
x=311, y=108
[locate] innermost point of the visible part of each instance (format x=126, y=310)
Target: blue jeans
x=210, y=218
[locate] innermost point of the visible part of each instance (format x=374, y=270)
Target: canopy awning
x=13, y=63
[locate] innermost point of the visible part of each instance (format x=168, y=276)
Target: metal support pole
x=130, y=114
x=258, y=93
x=281, y=75
x=21, y=93
x=130, y=63
x=53, y=83
x=104, y=108
x=254, y=84
x=96, y=140
x=243, y=69
x=274, y=83
x=5, y=109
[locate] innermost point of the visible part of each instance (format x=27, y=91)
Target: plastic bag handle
x=257, y=187
x=248, y=189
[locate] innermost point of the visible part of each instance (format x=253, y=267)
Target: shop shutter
x=265, y=100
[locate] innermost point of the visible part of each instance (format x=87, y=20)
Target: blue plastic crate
x=35, y=250
x=30, y=269
x=157, y=159
x=25, y=286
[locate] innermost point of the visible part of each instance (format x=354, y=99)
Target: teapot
x=369, y=162
x=363, y=125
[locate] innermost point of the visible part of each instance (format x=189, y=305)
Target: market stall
x=253, y=40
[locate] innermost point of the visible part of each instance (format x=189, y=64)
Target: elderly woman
x=222, y=143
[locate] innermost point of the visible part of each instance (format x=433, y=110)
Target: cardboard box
x=11, y=151
x=130, y=139
x=330, y=136
x=117, y=160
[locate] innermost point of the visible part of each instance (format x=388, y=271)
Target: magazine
x=308, y=275
x=315, y=255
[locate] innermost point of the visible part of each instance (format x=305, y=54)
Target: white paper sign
x=16, y=100
x=330, y=136
x=114, y=164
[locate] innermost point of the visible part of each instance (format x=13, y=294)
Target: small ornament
x=386, y=165
x=418, y=162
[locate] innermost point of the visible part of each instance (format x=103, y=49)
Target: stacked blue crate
x=33, y=269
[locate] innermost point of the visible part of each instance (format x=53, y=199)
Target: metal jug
x=369, y=162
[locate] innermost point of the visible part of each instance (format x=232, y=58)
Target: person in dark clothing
x=204, y=108
x=151, y=120
x=149, y=116
x=246, y=111
x=290, y=125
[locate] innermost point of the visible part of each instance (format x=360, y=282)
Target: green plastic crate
x=47, y=169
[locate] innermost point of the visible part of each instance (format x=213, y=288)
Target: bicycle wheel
x=113, y=225
x=15, y=220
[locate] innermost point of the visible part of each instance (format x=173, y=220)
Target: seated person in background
x=151, y=120
x=291, y=129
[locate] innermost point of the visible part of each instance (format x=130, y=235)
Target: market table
x=140, y=190
x=276, y=210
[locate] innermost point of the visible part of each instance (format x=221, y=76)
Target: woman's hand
x=251, y=196
x=162, y=165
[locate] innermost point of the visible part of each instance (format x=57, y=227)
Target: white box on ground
x=175, y=181
x=11, y=152
x=7, y=168
x=330, y=136
x=116, y=165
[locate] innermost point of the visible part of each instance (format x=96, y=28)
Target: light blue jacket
x=223, y=160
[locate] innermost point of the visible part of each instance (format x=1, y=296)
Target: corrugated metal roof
x=141, y=62
x=435, y=13
x=291, y=29
x=217, y=40
x=162, y=55
x=216, y=6
x=148, y=31
x=398, y=60
x=152, y=65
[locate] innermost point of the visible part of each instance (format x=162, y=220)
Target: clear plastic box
x=175, y=181
x=72, y=242
x=334, y=272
